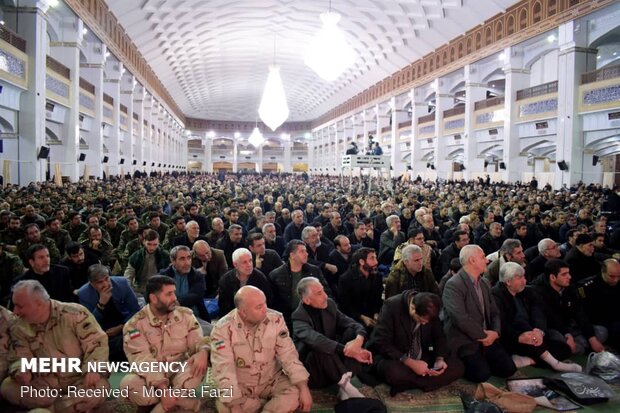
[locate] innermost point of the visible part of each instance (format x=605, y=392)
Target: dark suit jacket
x=353, y=301
x=335, y=323
x=464, y=317
x=392, y=336
x=195, y=296
x=216, y=267
x=123, y=298
x=271, y=261
x=230, y=284
x=508, y=310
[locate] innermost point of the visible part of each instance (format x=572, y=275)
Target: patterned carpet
x=445, y=400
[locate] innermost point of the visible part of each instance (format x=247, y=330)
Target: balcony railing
x=601, y=74
x=12, y=39
x=427, y=118
x=544, y=89
x=459, y=110
x=58, y=67
x=487, y=103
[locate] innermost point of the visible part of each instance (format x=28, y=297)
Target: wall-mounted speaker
x=594, y=160
x=44, y=152
x=486, y=163
x=122, y=161
x=502, y=165
x=432, y=167
x=105, y=159
x=563, y=166
x=144, y=163
x=82, y=157
x=153, y=164
x=134, y=162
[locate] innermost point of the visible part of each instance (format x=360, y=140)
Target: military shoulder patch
x=134, y=334
x=219, y=345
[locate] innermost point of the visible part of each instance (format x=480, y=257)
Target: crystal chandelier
x=329, y=53
x=273, y=109
x=256, y=138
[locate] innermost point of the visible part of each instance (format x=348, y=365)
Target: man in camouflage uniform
x=6, y=317
x=162, y=331
x=50, y=328
x=253, y=354
x=11, y=267
x=32, y=235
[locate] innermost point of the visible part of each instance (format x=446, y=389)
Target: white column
x=33, y=29
x=138, y=108
x=208, y=161
x=127, y=88
x=288, y=147
x=235, y=156
x=474, y=92
x=517, y=78
x=444, y=101
x=573, y=60
x=112, y=86
x=66, y=51
x=418, y=108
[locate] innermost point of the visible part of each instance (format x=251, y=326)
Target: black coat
x=230, y=284
x=392, y=336
x=507, y=309
x=197, y=288
x=335, y=323
x=353, y=301
x=271, y=261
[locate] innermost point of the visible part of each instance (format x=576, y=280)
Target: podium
x=364, y=161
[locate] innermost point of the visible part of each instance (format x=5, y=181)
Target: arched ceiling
x=213, y=55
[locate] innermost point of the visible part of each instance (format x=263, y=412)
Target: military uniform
x=6, y=317
x=260, y=365
x=71, y=331
x=74, y=232
x=11, y=267
x=147, y=339
x=60, y=238
x=23, y=245
x=171, y=234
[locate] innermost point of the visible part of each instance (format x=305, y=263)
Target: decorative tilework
x=484, y=117
x=543, y=106
x=455, y=124
x=107, y=112
x=87, y=102
x=56, y=86
x=427, y=129
x=602, y=95
x=12, y=64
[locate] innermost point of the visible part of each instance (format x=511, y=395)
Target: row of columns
x=161, y=142
x=575, y=58
x=287, y=164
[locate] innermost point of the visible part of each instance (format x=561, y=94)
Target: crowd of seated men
x=481, y=278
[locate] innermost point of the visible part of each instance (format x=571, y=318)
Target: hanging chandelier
x=256, y=138
x=329, y=54
x=273, y=109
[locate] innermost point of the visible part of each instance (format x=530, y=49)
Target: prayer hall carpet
x=445, y=400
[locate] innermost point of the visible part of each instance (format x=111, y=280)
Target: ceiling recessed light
x=551, y=38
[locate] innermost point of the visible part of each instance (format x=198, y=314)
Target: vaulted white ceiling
x=213, y=56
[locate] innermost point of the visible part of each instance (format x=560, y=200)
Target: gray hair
x=495, y=224
x=174, y=251
x=304, y=284
x=33, y=289
x=467, y=251
x=391, y=219
x=239, y=252
x=234, y=227
x=191, y=224
x=267, y=225
x=409, y=250
x=213, y=221
x=97, y=272
x=199, y=243
x=510, y=270
x=270, y=214
x=464, y=219
x=305, y=233
x=545, y=244
x=509, y=246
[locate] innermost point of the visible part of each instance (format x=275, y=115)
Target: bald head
x=251, y=304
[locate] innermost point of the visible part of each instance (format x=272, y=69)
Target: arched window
x=499, y=30
x=510, y=25
x=536, y=12
x=522, y=19
x=488, y=36
x=552, y=7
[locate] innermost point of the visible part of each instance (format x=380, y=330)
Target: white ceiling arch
x=213, y=55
